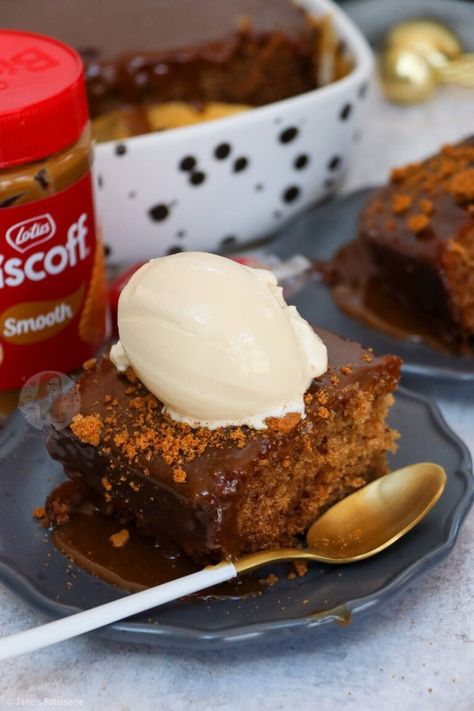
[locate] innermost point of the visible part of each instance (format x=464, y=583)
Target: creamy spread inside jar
x=52, y=284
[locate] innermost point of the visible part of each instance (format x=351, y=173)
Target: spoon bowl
x=356, y=528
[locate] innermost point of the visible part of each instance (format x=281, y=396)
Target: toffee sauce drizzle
x=142, y=562
x=360, y=293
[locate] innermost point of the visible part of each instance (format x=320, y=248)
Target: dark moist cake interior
x=222, y=493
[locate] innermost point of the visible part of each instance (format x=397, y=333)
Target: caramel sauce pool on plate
x=140, y=563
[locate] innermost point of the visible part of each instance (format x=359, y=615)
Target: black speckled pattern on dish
x=32, y=567
x=302, y=171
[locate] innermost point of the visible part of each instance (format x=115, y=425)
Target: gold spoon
x=417, y=56
x=358, y=527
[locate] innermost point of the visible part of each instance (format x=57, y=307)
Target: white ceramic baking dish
x=170, y=191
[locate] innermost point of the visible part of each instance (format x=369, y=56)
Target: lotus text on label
x=24, y=235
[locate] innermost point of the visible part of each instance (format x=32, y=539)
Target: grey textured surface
x=415, y=653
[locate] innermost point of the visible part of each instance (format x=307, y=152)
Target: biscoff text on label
x=54, y=261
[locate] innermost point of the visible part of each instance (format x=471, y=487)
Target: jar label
x=52, y=285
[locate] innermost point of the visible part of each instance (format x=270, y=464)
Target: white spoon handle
x=81, y=622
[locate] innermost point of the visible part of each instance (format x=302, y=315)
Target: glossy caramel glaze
x=85, y=536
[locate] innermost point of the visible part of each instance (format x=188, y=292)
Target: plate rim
x=170, y=635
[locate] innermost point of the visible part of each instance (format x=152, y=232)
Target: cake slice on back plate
x=418, y=233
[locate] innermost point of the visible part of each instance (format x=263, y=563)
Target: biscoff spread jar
x=52, y=284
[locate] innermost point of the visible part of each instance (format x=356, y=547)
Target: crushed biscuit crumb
x=131, y=376
x=90, y=364
x=138, y=403
x=179, y=475
x=450, y=171
x=401, y=203
x=58, y=512
x=270, y=580
x=119, y=539
x=301, y=568
x=418, y=223
x=106, y=484
x=284, y=424
x=87, y=428
x=427, y=207
x=238, y=437
x=462, y=186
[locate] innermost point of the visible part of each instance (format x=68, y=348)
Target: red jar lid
x=43, y=104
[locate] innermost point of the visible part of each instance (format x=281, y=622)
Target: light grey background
x=415, y=653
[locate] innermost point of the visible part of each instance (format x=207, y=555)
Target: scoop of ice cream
x=215, y=341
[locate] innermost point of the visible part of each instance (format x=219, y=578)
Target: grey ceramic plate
x=32, y=567
x=319, y=233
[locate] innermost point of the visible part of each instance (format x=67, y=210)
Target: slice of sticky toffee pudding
x=415, y=245
x=221, y=420
x=220, y=493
